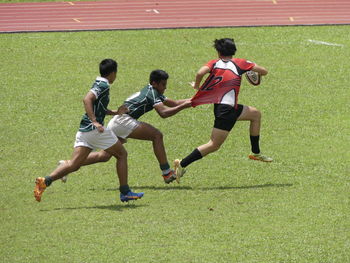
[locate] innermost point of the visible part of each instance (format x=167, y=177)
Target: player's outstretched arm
x=173, y=103
x=165, y=111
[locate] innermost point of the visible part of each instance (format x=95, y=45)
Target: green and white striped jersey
x=143, y=101
x=101, y=90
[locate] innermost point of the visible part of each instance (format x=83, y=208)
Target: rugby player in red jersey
x=221, y=88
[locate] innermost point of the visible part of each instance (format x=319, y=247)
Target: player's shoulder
x=101, y=83
x=237, y=60
x=242, y=61
x=146, y=89
x=147, y=92
x=243, y=64
x=155, y=95
x=211, y=62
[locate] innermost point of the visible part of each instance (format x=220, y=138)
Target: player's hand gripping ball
x=253, y=77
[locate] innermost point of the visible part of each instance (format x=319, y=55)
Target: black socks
x=192, y=157
x=254, y=141
x=48, y=180
x=124, y=189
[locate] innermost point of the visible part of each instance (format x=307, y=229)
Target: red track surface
x=143, y=14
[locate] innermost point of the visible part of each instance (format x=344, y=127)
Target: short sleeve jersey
x=101, y=90
x=143, y=101
x=223, y=83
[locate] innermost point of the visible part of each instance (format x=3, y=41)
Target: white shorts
x=122, y=125
x=95, y=139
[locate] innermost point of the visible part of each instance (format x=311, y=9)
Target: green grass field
x=227, y=208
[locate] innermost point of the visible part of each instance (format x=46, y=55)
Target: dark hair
x=108, y=66
x=158, y=75
x=225, y=46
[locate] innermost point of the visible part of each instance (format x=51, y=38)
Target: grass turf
x=227, y=208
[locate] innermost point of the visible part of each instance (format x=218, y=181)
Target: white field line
x=317, y=42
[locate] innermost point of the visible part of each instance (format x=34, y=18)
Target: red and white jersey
x=223, y=84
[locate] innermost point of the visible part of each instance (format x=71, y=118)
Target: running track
x=147, y=14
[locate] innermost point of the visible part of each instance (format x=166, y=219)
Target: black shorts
x=226, y=116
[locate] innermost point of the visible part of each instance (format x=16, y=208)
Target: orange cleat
x=40, y=187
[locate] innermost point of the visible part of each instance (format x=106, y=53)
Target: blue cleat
x=130, y=196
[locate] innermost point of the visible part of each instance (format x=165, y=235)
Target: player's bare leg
x=97, y=157
x=93, y=157
x=217, y=138
x=253, y=115
x=147, y=132
x=72, y=165
x=100, y=156
x=78, y=157
x=119, y=152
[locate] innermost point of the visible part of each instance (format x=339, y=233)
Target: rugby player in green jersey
x=92, y=135
x=127, y=125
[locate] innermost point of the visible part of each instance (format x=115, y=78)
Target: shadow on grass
x=179, y=187
x=246, y=187
x=119, y=207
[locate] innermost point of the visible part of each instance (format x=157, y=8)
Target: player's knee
x=121, y=154
x=105, y=157
x=214, y=146
x=124, y=153
x=158, y=136
x=73, y=167
x=256, y=114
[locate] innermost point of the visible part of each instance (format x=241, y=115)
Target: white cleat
x=260, y=157
x=179, y=170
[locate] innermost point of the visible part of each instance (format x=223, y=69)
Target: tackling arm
x=173, y=103
x=166, y=112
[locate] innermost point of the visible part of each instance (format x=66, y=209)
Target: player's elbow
x=163, y=114
x=261, y=70
x=264, y=72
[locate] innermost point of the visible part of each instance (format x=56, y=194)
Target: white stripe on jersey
x=229, y=98
x=226, y=65
x=100, y=103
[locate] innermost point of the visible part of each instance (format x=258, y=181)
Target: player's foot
x=179, y=170
x=130, y=196
x=169, y=177
x=40, y=187
x=64, y=178
x=260, y=157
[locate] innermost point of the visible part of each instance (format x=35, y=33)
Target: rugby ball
x=253, y=77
